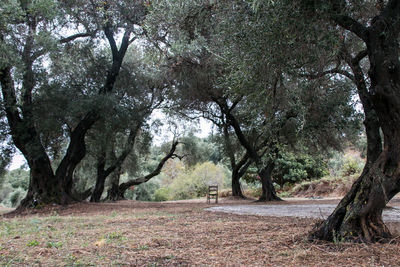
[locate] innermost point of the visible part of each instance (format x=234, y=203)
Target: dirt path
x=314, y=210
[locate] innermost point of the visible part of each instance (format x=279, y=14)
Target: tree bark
x=359, y=215
x=268, y=189
x=101, y=176
x=43, y=184
x=236, y=186
x=113, y=193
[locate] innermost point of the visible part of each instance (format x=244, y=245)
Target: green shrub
x=291, y=168
x=143, y=192
x=351, y=166
x=345, y=164
x=162, y=194
x=18, y=178
x=5, y=193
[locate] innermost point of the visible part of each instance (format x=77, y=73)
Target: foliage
x=291, y=168
x=352, y=165
x=16, y=196
x=18, y=178
x=162, y=194
x=343, y=164
x=193, y=183
x=15, y=186
x=143, y=192
x=198, y=150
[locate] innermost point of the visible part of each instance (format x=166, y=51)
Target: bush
x=14, y=189
x=291, y=168
x=143, y=192
x=162, y=194
x=352, y=165
x=16, y=197
x=194, y=182
x=18, y=178
x=345, y=165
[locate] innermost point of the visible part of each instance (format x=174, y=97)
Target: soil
x=131, y=233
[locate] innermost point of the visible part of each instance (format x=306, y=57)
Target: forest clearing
x=176, y=234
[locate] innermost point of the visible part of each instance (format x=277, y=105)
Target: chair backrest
x=212, y=193
x=213, y=188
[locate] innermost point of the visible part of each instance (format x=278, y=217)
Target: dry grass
x=154, y=234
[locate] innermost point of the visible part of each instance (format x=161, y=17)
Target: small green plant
x=114, y=235
x=162, y=194
x=71, y=259
x=337, y=239
x=52, y=244
x=143, y=247
x=33, y=243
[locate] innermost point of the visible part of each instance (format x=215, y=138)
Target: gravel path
x=304, y=211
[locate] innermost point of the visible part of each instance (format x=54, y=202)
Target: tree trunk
x=113, y=193
x=43, y=186
x=268, y=190
x=98, y=189
x=359, y=215
x=236, y=187
x=115, y=166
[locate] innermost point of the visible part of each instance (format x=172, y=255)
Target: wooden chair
x=212, y=193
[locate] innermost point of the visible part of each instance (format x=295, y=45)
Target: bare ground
x=174, y=234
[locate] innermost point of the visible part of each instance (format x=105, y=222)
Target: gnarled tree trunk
x=238, y=169
x=113, y=193
x=236, y=187
x=359, y=215
x=268, y=189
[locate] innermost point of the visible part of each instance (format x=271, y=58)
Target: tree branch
x=331, y=71
x=350, y=24
x=111, y=40
x=128, y=148
x=156, y=172
x=76, y=36
x=360, y=56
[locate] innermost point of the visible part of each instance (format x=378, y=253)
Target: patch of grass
x=284, y=194
x=114, y=235
x=33, y=243
x=52, y=244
